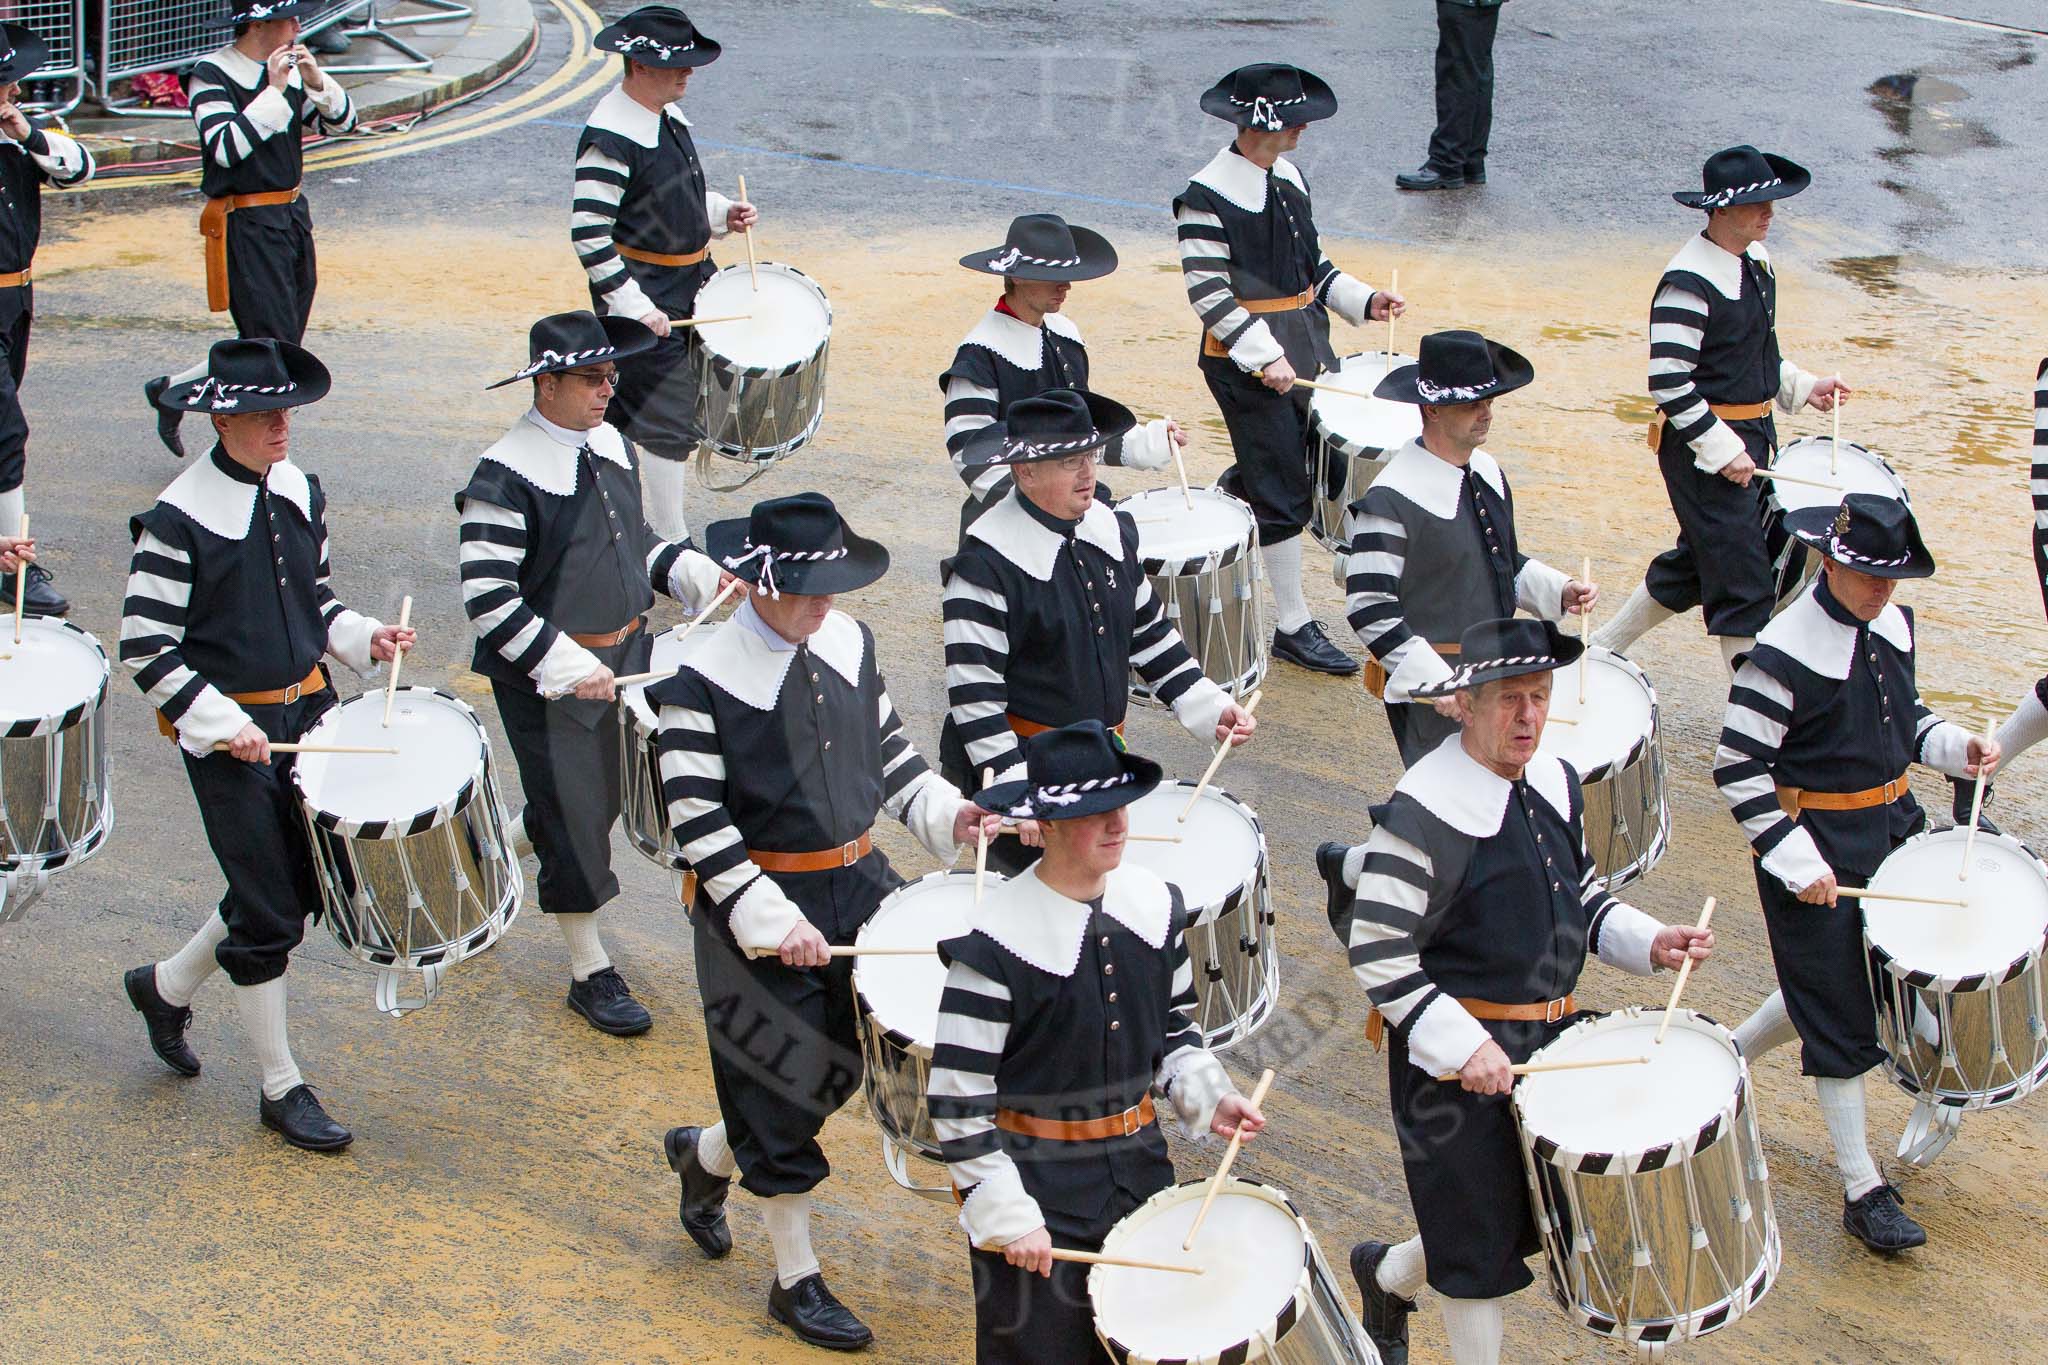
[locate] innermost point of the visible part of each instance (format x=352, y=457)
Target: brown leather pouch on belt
x=213, y=228
x=1376, y=676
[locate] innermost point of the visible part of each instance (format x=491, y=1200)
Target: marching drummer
x=558, y=571
x=1715, y=373
x=1476, y=907
x=1824, y=721
x=1026, y=345
x=1047, y=610
x=642, y=225
x=1257, y=277
x=252, y=101
x=31, y=157
x=233, y=665
x=1066, y=1010
x=778, y=749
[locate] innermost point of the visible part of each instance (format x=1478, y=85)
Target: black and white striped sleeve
x=492, y=548
x=976, y=626
x=329, y=110
x=1349, y=297
x=59, y=157
x=1205, y=268
x=911, y=792
x=348, y=632
x=1678, y=323
x=1753, y=730
x=1160, y=656
x=1394, y=887
x=970, y=406
x=601, y=181
x=967, y=1048
x=1616, y=932
x=1372, y=597
x=1189, y=1077
x=153, y=620
x=226, y=134
x=2039, y=481
x=1940, y=744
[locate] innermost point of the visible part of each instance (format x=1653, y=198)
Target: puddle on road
x=1915, y=108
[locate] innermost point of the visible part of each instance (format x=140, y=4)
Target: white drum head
x=789, y=317
x=1169, y=530
x=55, y=669
x=1251, y=1247
x=1856, y=470
x=666, y=652
x=1218, y=852
x=1619, y=711
x=1369, y=423
x=1690, y=1077
x=2004, y=922
x=903, y=992
x=440, y=747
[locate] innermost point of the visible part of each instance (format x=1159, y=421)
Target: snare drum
x=412, y=851
x=761, y=380
x=898, y=1014
x=1203, y=569
x=1648, y=1182
x=642, y=809
x=1220, y=867
x=1268, y=1294
x=1857, y=469
x=1351, y=439
x=56, y=804
x=1958, y=989
x=1615, y=744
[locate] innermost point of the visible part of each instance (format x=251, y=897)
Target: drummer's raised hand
x=1278, y=376
x=1174, y=433
x=1984, y=756
x=741, y=216
x=1739, y=470
x=16, y=551
x=598, y=686
x=1032, y=1252
x=250, y=744
x=386, y=642
x=1828, y=394
x=1235, y=724
x=1487, y=1071
x=972, y=821
x=1234, y=1112
x=1677, y=942
x=1579, y=597
x=1384, y=303
x=657, y=323
x=1820, y=891
x=804, y=946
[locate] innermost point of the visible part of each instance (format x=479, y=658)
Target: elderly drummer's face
x=1865, y=595
x=1064, y=487
x=1503, y=721
x=794, y=616
x=1091, y=844
x=255, y=440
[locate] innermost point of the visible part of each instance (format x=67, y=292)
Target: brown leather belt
x=1549, y=1011
x=310, y=685
x=213, y=230
x=1376, y=676
x=1291, y=304
x=1129, y=1122
x=634, y=253
x=1025, y=729
x=1792, y=800
x=609, y=638
x=14, y=281
x=824, y=860
x=1727, y=412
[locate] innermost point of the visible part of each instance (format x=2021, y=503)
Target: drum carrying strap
x=1376, y=676
x=634, y=253
x=213, y=231
x=1727, y=412
x=313, y=682
x=1549, y=1011
x=1293, y=303
x=1793, y=800
x=1129, y=1122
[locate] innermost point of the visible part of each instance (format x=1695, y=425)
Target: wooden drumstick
x=1585, y=625
x=1684, y=971
x=706, y=322
x=397, y=658
x=222, y=747
x=1794, y=478
x=1870, y=893
x=753, y=267
x=1223, y=1168
x=988, y=778
x=20, y=584
x=1123, y=1262
x=1538, y=1068
x=1976, y=808
x=1011, y=830
x=633, y=679
x=1393, y=288
x=1322, y=387
x=1222, y=752
x=1835, y=446
x=858, y=950
x=1181, y=468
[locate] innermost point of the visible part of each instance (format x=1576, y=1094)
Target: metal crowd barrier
x=59, y=84
x=136, y=36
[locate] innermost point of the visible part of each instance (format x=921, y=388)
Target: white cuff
x=1256, y=349
x=716, y=206
x=1194, y=1090
x=348, y=639
x=65, y=158
x=330, y=99
x=762, y=916
x=1149, y=447
x=566, y=664
x=1200, y=709
x=1796, y=861
x=1626, y=937
x=270, y=113
x=1795, y=386
x=999, y=1211
x=211, y=719
x=693, y=579
x=1716, y=448
x=628, y=299
x=1946, y=749
x=1350, y=299
x=1540, y=588
x=1444, y=1037
x=929, y=814
x=1420, y=666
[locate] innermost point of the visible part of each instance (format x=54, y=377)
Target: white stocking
x=2022, y=730
x=1283, y=571
x=179, y=976
x=714, y=1153
x=587, y=956
x=262, y=1010
x=789, y=1231
x=1638, y=616
x=1769, y=1027
x=1403, y=1270
x=1475, y=1328
x=1841, y=1105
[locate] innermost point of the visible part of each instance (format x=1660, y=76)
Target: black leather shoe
x=1475, y=172
x=299, y=1120
x=1312, y=649
x=166, y=422
x=1337, y=897
x=1386, y=1313
x=38, y=598
x=703, y=1211
x=808, y=1309
x=167, y=1022
x=1879, y=1223
x=604, y=999
x=1429, y=178
x=1965, y=794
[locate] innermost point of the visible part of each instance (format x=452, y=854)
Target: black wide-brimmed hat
x=1869, y=532
x=1048, y=426
x=798, y=544
x=254, y=374
x=1270, y=96
x=22, y=50
x=1045, y=246
x=569, y=341
x=658, y=35
x=1456, y=367
x=260, y=11
x=1744, y=175
x=1070, y=772
x=1506, y=648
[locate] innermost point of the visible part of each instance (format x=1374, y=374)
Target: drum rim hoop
x=1685, y=1326
x=421, y=821
x=863, y=1010
x=72, y=715
x=817, y=353
x=1882, y=956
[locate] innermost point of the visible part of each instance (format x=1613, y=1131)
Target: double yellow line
x=579, y=78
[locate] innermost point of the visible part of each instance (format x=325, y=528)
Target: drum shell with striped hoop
x=642, y=810
x=413, y=851
x=1355, y=435
x=1648, y=1182
x=1856, y=469
x=56, y=793
x=761, y=380
x=1615, y=744
x=1220, y=867
x=1204, y=572
x=1267, y=1294
x=897, y=1012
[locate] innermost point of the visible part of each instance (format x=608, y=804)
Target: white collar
x=1011, y=531
x=239, y=67
x=1016, y=340
x=741, y=659
x=1238, y=179
x=618, y=112
x=226, y=506
x=1806, y=633
x=1434, y=484
x=1470, y=797
x=544, y=454
x=1722, y=269
x=1044, y=928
